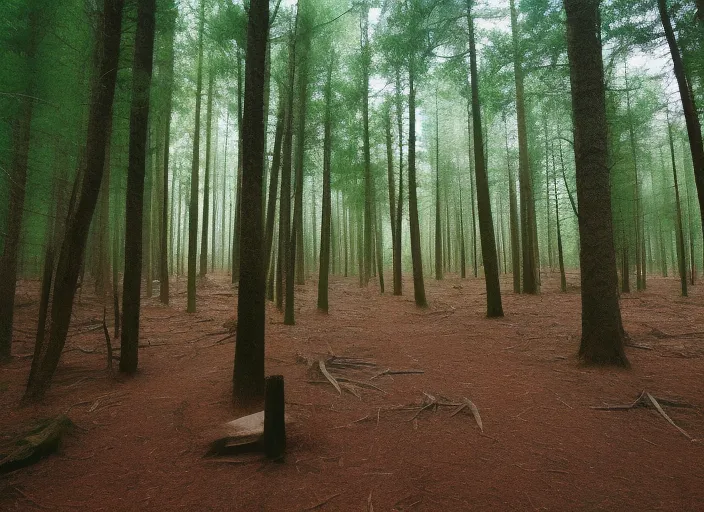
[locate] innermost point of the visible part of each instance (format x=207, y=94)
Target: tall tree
x=139, y=127
x=494, y=307
x=602, y=331
x=170, y=28
x=327, y=203
x=195, y=165
x=248, y=374
x=368, y=186
x=529, y=238
x=694, y=128
x=206, y=178
x=78, y=223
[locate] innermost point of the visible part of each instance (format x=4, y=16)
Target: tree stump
x=274, y=423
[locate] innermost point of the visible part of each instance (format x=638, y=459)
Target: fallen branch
x=324, y=502
x=333, y=381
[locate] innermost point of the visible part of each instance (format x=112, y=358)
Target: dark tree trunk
x=169, y=79
x=206, y=179
x=560, y=255
x=274, y=187
x=514, y=221
x=463, y=252
x=438, y=223
x=368, y=186
x=195, y=164
x=602, y=331
x=681, y=255
x=398, y=278
x=528, y=225
x=78, y=224
x=236, y=242
x=286, y=280
x=139, y=126
x=486, y=226
x=327, y=203
x=248, y=376
x=298, y=263
x=416, y=256
x=694, y=129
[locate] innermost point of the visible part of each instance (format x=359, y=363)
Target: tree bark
x=694, y=128
x=195, y=164
x=139, y=127
x=416, y=256
x=602, y=331
x=528, y=240
x=206, y=179
x=398, y=277
x=323, y=272
x=486, y=226
x=248, y=375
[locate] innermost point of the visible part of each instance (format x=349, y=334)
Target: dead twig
x=333, y=381
x=322, y=503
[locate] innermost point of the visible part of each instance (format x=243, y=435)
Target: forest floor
x=140, y=441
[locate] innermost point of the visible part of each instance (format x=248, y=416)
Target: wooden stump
x=274, y=424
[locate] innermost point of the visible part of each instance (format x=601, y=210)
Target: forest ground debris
x=648, y=400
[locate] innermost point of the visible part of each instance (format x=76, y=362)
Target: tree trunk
x=602, y=331
x=514, y=220
x=694, y=129
x=560, y=255
x=236, y=242
x=681, y=255
x=368, y=186
x=248, y=375
x=274, y=185
x=416, y=256
x=73, y=246
x=286, y=280
x=486, y=226
x=195, y=164
x=324, y=270
x=398, y=277
x=206, y=179
x=165, y=230
x=139, y=127
x=530, y=268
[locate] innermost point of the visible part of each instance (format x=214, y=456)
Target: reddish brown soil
x=141, y=446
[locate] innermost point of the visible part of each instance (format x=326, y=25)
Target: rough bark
x=248, y=375
x=195, y=164
x=139, y=127
x=486, y=226
x=416, y=256
x=602, y=331
x=323, y=272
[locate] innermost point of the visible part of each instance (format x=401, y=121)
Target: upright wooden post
x=274, y=423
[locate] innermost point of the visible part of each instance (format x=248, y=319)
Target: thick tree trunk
x=486, y=226
x=195, y=164
x=514, y=221
x=139, y=127
x=248, y=375
x=416, y=256
x=236, y=242
x=602, y=331
x=73, y=246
